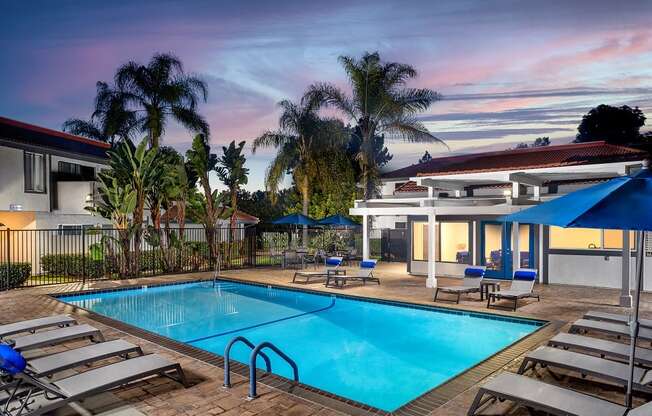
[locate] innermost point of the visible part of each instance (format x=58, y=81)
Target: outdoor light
x=15, y=207
x=507, y=192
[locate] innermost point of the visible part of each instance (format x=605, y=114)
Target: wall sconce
x=507, y=192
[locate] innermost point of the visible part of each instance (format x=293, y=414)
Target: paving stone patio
x=160, y=396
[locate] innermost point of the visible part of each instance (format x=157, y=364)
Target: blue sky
x=509, y=71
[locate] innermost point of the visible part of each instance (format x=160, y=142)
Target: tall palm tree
x=302, y=138
x=110, y=122
x=159, y=91
x=232, y=172
x=380, y=103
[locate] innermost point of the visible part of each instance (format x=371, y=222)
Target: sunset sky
x=509, y=71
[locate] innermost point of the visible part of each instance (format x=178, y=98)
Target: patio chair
x=472, y=278
x=55, y=336
x=33, y=325
x=616, y=318
x=537, y=396
x=522, y=287
x=608, y=328
x=603, y=347
x=56, y=394
x=332, y=266
x=364, y=273
x=587, y=365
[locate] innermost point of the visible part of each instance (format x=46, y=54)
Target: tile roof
x=411, y=186
x=538, y=157
x=240, y=215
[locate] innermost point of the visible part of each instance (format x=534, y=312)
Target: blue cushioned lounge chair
x=522, y=287
x=473, y=276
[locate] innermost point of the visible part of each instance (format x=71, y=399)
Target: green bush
x=72, y=265
x=18, y=274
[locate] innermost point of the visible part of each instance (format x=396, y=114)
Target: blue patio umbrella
x=338, y=221
x=295, y=219
x=622, y=203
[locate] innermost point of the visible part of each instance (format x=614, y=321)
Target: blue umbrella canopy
x=295, y=219
x=338, y=221
x=622, y=203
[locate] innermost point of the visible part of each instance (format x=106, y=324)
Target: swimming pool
x=380, y=354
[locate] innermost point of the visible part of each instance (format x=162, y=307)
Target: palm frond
x=274, y=139
x=411, y=130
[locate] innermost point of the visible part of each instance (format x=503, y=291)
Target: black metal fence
x=80, y=254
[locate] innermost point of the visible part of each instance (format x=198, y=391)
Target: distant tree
x=538, y=142
x=425, y=158
x=617, y=125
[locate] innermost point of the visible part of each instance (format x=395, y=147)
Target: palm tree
x=110, y=121
x=207, y=208
x=231, y=171
x=301, y=139
x=380, y=102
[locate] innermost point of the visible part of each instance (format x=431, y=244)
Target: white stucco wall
x=12, y=184
x=442, y=269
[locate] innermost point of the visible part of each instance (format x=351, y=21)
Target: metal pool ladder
x=255, y=352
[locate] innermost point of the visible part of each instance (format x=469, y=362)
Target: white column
x=516, y=249
x=540, y=255
x=625, y=292
x=365, y=237
x=431, y=281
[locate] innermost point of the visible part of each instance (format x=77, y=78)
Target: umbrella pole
x=634, y=320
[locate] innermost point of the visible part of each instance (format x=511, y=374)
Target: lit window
x=587, y=239
x=420, y=241
x=34, y=170
x=454, y=242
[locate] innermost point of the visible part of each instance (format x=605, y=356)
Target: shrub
x=18, y=274
x=72, y=265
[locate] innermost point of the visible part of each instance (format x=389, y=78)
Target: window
x=73, y=229
x=34, y=171
x=452, y=243
x=69, y=170
x=587, y=239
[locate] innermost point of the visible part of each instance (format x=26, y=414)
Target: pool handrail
x=252, y=365
x=227, y=360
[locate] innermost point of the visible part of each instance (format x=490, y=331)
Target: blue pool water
x=383, y=355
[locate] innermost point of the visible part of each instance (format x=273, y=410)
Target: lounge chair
x=587, y=365
x=472, y=278
x=603, y=347
x=55, y=336
x=522, y=287
x=332, y=267
x=80, y=386
x=615, y=318
x=548, y=399
x=609, y=328
x=33, y=325
x=54, y=363
x=364, y=273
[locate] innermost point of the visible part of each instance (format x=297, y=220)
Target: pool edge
x=419, y=406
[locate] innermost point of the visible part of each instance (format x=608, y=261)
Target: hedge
x=72, y=265
x=18, y=274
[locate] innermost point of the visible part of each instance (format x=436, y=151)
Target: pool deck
x=160, y=396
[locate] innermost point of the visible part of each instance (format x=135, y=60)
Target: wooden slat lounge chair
x=472, y=279
x=545, y=398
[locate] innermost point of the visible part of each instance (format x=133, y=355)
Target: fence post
x=7, y=278
x=83, y=248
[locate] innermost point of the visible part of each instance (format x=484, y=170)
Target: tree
x=233, y=174
x=206, y=208
x=136, y=170
x=110, y=121
x=538, y=142
x=617, y=125
x=143, y=99
x=380, y=102
x=380, y=153
x=301, y=139
x=425, y=158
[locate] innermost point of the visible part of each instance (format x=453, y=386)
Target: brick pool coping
x=420, y=406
